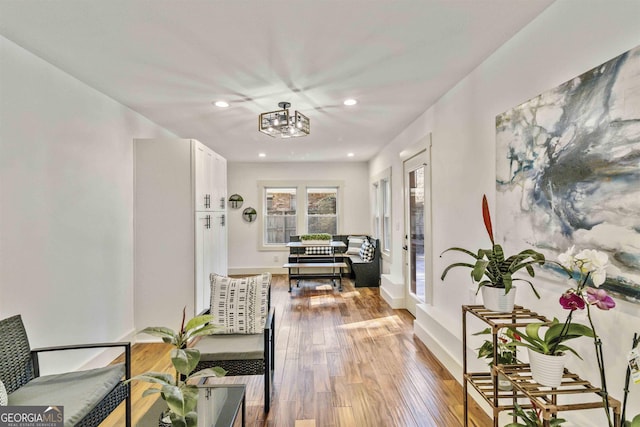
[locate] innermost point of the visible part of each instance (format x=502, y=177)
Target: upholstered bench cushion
x=78, y=392
x=355, y=259
x=231, y=347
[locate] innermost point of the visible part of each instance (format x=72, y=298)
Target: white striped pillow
x=240, y=305
x=354, y=244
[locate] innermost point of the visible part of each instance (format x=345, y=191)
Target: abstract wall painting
x=568, y=170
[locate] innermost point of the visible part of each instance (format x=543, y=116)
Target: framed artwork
x=568, y=170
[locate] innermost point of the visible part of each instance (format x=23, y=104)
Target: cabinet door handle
x=222, y=220
x=207, y=201
x=208, y=223
x=222, y=200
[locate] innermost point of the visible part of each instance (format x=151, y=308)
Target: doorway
x=417, y=237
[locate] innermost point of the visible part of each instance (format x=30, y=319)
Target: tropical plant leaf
x=154, y=377
x=197, y=322
x=168, y=335
x=150, y=391
x=216, y=371
x=479, y=269
x=457, y=264
x=205, y=330
x=181, y=400
x=486, y=216
x=185, y=360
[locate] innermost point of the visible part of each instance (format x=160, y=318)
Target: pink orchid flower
x=600, y=299
x=571, y=301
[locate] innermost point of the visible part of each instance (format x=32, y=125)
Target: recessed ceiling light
x=221, y=104
x=349, y=102
x=350, y=154
x=262, y=155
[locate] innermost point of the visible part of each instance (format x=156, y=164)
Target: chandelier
x=280, y=124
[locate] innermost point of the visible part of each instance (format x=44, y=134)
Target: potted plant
x=505, y=354
x=315, y=238
x=493, y=271
x=547, y=353
x=531, y=418
x=176, y=390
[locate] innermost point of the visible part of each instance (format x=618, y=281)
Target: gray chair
x=87, y=397
x=243, y=354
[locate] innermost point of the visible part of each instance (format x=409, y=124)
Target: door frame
x=422, y=149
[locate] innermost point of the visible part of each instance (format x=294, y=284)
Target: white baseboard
x=434, y=336
x=392, y=291
x=107, y=355
x=256, y=270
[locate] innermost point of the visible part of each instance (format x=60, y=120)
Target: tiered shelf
x=525, y=391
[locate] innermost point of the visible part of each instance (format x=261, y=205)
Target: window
x=376, y=209
x=279, y=215
x=322, y=213
x=319, y=212
x=385, y=185
x=381, y=199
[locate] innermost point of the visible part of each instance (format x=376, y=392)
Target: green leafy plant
x=316, y=236
x=551, y=342
x=491, y=267
x=633, y=423
x=531, y=418
x=176, y=390
x=506, y=355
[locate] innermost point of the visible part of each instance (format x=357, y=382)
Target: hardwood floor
x=342, y=359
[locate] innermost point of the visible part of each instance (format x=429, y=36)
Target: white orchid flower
x=566, y=259
x=589, y=261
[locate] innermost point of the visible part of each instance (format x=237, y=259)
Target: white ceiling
x=169, y=60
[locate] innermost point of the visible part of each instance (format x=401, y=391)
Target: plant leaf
x=197, y=322
x=457, y=264
x=154, y=377
x=216, y=371
x=486, y=216
x=479, y=269
x=185, y=360
x=168, y=335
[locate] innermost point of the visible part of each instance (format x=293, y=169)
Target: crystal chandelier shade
x=281, y=124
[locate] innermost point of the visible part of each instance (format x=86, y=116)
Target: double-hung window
x=322, y=210
x=280, y=215
x=318, y=212
x=381, y=209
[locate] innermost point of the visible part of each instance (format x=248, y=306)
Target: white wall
x=66, y=205
x=242, y=178
x=568, y=38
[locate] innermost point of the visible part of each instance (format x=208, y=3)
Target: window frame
x=382, y=211
x=301, y=212
x=308, y=216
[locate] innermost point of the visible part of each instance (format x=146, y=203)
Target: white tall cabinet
x=180, y=191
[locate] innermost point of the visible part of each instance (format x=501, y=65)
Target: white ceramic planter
x=495, y=299
x=546, y=369
x=316, y=242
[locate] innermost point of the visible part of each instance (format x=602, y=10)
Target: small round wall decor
x=249, y=214
x=235, y=201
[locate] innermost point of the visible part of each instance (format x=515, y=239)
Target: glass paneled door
x=417, y=212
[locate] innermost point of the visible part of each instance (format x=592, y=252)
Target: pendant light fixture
x=281, y=124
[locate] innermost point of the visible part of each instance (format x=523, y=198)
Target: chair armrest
x=268, y=325
x=126, y=345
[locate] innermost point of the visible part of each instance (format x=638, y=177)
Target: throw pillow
x=240, y=305
x=4, y=399
x=367, y=251
x=354, y=244
x=318, y=250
